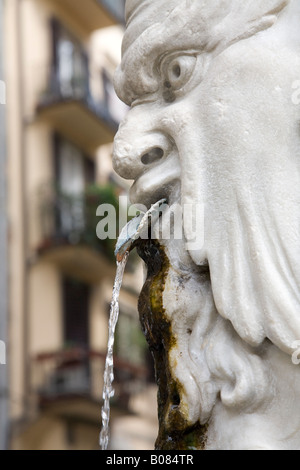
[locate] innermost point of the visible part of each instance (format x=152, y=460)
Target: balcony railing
x=72, y=109
x=71, y=373
x=67, y=219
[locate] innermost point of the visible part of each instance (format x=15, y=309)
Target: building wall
x=46, y=327
x=36, y=282
x=36, y=52
x=15, y=210
x=55, y=431
x=40, y=175
x=3, y=248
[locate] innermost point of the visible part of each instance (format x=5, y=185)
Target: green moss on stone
x=174, y=431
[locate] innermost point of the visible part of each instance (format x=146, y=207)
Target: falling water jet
x=135, y=229
x=108, y=391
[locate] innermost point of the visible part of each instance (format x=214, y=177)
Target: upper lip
x=156, y=183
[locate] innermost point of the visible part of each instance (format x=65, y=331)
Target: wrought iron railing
x=67, y=219
x=75, y=88
x=72, y=372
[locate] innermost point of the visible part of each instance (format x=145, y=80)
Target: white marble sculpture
x=215, y=122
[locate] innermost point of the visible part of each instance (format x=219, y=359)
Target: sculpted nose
x=134, y=152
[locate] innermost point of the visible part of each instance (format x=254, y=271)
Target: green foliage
x=94, y=196
x=69, y=218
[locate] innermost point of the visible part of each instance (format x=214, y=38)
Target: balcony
x=72, y=111
x=94, y=14
x=70, y=373
x=68, y=232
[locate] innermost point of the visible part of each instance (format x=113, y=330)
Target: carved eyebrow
x=133, y=90
x=139, y=60
x=134, y=87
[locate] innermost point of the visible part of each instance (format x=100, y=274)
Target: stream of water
x=108, y=390
x=136, y=227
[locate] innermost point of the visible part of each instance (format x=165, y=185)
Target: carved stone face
x=213, y=121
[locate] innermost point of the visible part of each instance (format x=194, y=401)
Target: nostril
x=152, y=156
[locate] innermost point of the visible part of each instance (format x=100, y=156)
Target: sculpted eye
x=177, y=73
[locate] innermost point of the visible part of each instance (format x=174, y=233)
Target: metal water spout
x=138, y=228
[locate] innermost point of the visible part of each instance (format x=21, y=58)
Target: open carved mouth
x=150, y=188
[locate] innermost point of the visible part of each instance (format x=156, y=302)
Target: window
x=73, y=171
x=70, y=64
x=76, y=313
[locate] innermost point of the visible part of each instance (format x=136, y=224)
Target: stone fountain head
x=214, y=123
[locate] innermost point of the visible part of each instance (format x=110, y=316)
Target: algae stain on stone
x=174, y=431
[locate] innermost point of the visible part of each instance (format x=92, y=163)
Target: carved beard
x=201, y=361
x=198, y=355
x=252, y=249
x=252, y=246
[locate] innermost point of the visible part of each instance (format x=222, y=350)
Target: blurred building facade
x=62, y=115
x=3, y=249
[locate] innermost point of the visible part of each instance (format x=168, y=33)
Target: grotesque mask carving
x=213, y=124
